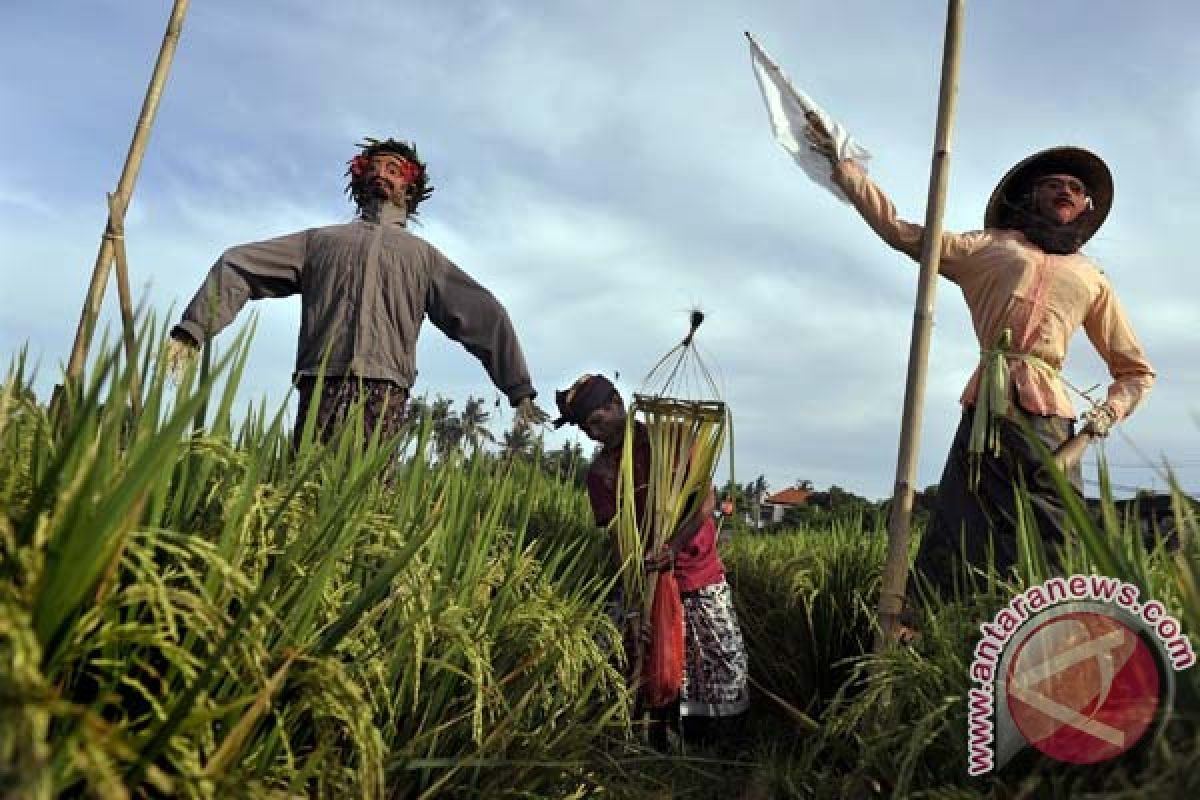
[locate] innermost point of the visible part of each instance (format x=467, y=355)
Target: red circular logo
x=1083, y=688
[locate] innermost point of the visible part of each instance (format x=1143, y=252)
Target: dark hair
x=418, y=190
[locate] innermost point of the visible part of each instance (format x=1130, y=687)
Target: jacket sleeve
x=271, y=268
x=878, y=212
x=1109, y=331
x=471, y=316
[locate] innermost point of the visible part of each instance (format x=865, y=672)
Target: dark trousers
x=971, y=525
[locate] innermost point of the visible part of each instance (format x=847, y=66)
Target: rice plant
x=191, y=606
x=898, y=726
x=806, y=603
x=194, y=608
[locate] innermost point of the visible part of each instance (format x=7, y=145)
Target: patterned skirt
x=715, y=666
x=384, y=403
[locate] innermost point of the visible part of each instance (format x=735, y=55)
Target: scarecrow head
x=1058, y=197
x=387, y=171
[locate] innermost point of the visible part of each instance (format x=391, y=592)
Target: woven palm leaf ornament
x=687, y=423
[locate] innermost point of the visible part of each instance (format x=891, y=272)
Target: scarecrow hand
x=1098, y=421
x=181, y=352
x=529, y=415
x=819, y=139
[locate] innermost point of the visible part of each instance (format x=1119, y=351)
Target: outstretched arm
x=471, y=316
x=247, y=272
x=878, y=211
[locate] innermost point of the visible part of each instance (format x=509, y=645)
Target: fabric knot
x=993, y=398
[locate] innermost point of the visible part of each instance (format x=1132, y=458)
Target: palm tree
x=447, y=428
x=568, y=462
x=755, y=491
x=417, y=408
x=473, y=423
x=517, y=442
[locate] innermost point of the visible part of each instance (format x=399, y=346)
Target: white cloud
x=602, y=169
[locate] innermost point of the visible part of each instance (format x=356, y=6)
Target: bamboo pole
x=116, y=224
x=895, y=570
x=124, y=192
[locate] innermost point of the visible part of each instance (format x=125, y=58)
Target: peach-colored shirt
x=1043, y=298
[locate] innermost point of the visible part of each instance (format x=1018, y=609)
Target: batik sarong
x=715, y=665
x=383, y=402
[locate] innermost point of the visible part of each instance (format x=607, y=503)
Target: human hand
x=181, y=353
x=529, y=415
x=1098, y=420
x=820, y=140
x=645, y=634
x=661, y=561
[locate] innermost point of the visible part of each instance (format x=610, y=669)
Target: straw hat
x=1075, y=161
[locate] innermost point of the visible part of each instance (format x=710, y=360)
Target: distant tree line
x=468, y=432
x=822, y=508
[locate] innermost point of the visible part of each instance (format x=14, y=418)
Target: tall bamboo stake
x=116, y=224
x=124, y=193
x=895, y=570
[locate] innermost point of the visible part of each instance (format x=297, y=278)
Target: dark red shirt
x=697, y=565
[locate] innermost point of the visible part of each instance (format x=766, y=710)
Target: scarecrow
x=365, y=287
x=714, y=664
x=1029, y=289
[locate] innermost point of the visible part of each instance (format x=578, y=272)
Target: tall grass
x=896, y=726
x=189, y=606
x=806, y=604
x=202, y=611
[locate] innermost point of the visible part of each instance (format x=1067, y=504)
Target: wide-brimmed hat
x=1082, y=164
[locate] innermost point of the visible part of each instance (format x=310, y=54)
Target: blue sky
x=603, y=168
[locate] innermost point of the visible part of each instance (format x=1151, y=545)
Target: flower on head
x=358, y=166
x=409, y=170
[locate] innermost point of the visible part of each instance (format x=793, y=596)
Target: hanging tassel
x=697, y=317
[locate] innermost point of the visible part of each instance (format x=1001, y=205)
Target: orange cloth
x=1010, y=283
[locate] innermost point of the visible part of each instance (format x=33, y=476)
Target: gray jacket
x=365, y=289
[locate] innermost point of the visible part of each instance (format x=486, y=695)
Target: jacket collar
x=387, y=214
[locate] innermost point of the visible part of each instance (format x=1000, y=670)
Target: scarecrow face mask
x=387, y=172
x=1060, y=197
x=387, y=176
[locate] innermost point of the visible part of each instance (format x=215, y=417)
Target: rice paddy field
x=189, y=607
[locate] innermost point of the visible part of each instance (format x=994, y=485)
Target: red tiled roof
x=790, y=497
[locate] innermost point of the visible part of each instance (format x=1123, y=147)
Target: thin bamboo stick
x=116, y=217
x=895, y=570
x=133, y=163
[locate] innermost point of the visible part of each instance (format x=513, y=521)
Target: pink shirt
x=1008, y=282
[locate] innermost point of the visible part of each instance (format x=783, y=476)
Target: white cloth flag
x=786, y=107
